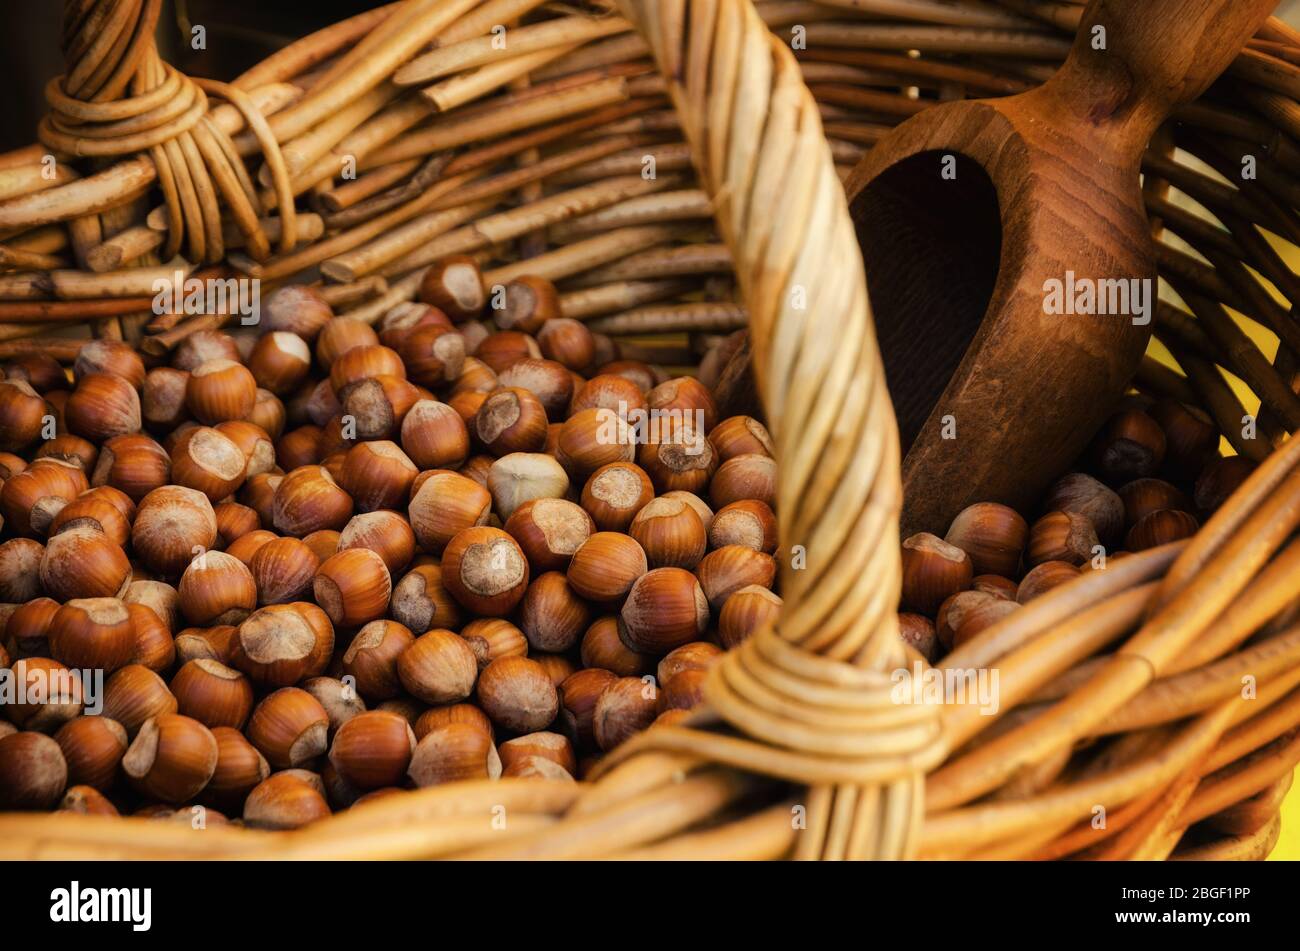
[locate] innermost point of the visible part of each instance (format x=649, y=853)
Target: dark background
x=240, y=33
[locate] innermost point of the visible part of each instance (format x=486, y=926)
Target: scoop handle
x=1137, y=60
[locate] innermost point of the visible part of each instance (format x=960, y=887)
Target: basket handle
x=797, y=700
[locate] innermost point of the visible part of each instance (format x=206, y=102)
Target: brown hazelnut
x=280, y=361
x=284, y=801
x=31, y=499
x=33, y=772
x=1081, y=494
x=353, y=587
x=308, y=500
x=173, y=525
x=518, y=694
x=364, y=363
x=624, y=708
x=1218, y=481
x=549, y=381
x=615, y=493
x=283, y=569
x=1043, y=578
x=217, y=588
x=510, y=420
x=438, y=667
x=994, y=536
x=289, y=727
x=434, y=435
x=748, y=522
x=605, y=566
x=422, y=602
x=593, y=438
x=683, y=461
x=171, y=758
x=234, y=521
x=1161, y=528
x=84, y=563
x=1130, y=446
x=240, y=767
x=297, y=308
x=453, y=752
x=385, y=533
x=92, y=633
x=212, y=693
x=340, y=335
x=102, y=407
x=726, y=570
x=745, y=612
x=485, y=570
x=445, y=504
x=665, y=608
x=917, y=631
x=373, y=749
x=1061, y=536
x=371, y=659
x=281, y=644
x=92, y=747
x=552, y=616
x=1141, y=497
x=530, y=301
x=219, y=390
x=455, y=286
x=549, y=531
x=378, y=405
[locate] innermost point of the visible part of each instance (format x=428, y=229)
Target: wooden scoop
x=967, y=211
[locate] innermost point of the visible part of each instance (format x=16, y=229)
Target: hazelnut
x=284, y=801
x=455, y=286
x=503, y=349
x=549, y=381
x=20, y=568
x=204, y=345
x=240, y=767
x=289, y=727
x=152, y=645
x=171, y=759
x=594, y=438
x=92, y=748
x=615, y=494
x=87, y=801
x=509, y=421
x=323, y=543
x=578, y=695
x=1191, y=437
x=968, y=613
x=299, y=447
x=485, y=570
x=1081, y=494
x=741, y=435
x=517, y=694
x=500, y=637
x=451, y=753
x=697, y=655
x=682, y=461
x=172, y=525
x=605, y=566
x=353, y=587
x=435, y=436
x=1043, y=578
x=422, y=602
x=748, y=476
x=670, y=532
x=603, y=648
x=385, y=533
x=162, y=401
x=308, y=500
x=917, y=631
x=254, y=442
x=568, y=342
x=438, y=667
x=552, y=616
x=371, y=659
x=1141, y=497
x=340, y=335
x=379, y=405
x=364, y=363
x=217, y=588
x=624, y=708
x=28, y=627
x=1061, y=536
x=530, y=301
x=465, y=713
x=162, y=600
x=212, y=693
x=745, y=612
x=665, y=609
x=682, y=691
x=33, y=772
x=282, y=570
x=92, y=633
x=40, y=370
x=71, y=449
x=607, y=391
x=30, y=500
x=1160, y=528
x=281, y=644
x=1130, y=446
x=51, y=695
x=748, y=522
x=433, y=354
x=548, y=746
x=280, y=361
x=476, y=377
x=246, y=546
x=219, y=390
x=133, y=695
x=373, y=749
x=994, y=536
x=408, y=316
x=339, y=699
x=444, y=505
x=725, y=571
x=84, y=563
x=522, y=477
x=687, y=399
x=22, y=415
x=298, y=309
x=549, y=531
x=234, y=521
x=102, y=407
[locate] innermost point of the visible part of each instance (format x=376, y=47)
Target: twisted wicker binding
x=1120, y=692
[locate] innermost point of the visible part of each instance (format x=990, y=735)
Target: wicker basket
x=1120, y=691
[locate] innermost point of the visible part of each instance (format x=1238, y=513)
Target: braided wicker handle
x=809, y=702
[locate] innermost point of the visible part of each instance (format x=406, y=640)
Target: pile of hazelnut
x=1153, y=474
x=319, y=562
